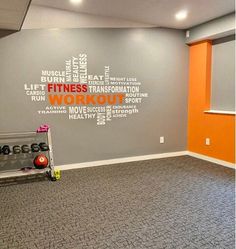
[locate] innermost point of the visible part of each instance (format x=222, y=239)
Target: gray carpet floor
x=172, y=203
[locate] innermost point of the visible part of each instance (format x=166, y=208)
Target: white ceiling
x=12, y=13
x=160, y=13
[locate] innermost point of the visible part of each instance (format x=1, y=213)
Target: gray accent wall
x=157, y=57
x=223, y=74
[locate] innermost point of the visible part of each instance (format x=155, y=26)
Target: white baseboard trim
x=212, y=160
x=121, y=160
x=143, y=158
x=126, y=160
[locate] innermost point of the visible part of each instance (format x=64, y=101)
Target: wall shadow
x=4, y=33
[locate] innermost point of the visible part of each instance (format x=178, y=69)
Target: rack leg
x=51, y=160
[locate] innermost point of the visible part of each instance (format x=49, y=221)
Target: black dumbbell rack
x=14, y=165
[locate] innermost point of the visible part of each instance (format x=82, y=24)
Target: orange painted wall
x=219, y=128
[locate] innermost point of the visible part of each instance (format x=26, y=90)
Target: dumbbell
x=25, y=148
x=44, y=147
x=6, y=150
x=16, y=149
x=35, y=148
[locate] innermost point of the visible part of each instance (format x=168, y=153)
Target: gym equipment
x=52, y=177
x=44, y=147
x=25, y=148
x=25, y=140
x=16, y=149
x=6, y=150
x=35, y=147
x=43, y=128
x=57, y=174
x=41, y=161
x=26, y=169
